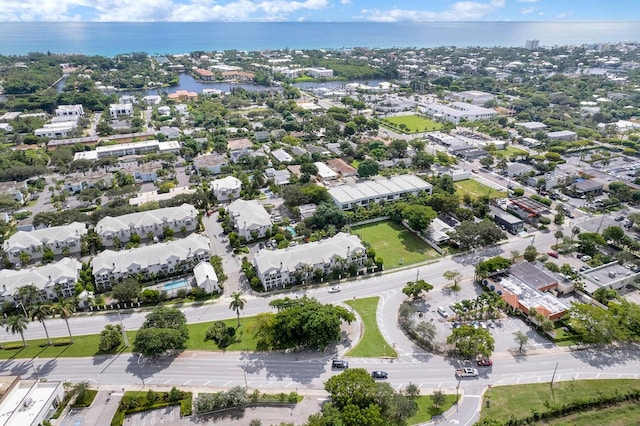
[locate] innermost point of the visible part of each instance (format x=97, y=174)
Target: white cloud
x=564, y=15
x=345, y=1
x=156, y=10
x=527, y=1
x=527, y=10
x=458, y=11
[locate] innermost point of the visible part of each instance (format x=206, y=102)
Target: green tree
x=471, y=235
x=521, y=339
x=29, y=294
x=438, y=397
x=40, y=313
x=17, y=324
x=354, y=386
x=613, y=233
x=418, y=217
x=368, y=167
x=470, y=342
x=164, y=329
x=237, y=304
x=65, y=309
x=415, y=288
x=453, y=276
x=530, y=253
x=558, y=235
x=127, y=291
x=110, y=337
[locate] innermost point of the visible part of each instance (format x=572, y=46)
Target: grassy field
x=426, y=410
x=476, y=190
x=372, y=344
x=507, y=401
x=88, y=345
x=619, y=415
x=413, y=123
x=394, y=244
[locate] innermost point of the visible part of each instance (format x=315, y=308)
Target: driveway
x=99, y=413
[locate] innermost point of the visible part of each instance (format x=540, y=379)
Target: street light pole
x=125, y=338
x=244, y=371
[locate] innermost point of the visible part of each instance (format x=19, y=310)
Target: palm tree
x=558, y=234
x=65, y=309
x=29, y=294
x=237, y=304
x=17, y=324
x=41, y=312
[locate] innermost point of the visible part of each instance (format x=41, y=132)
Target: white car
x=442, y=311
x=334, y=289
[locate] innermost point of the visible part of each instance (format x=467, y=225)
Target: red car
x=553, y=254
x=485, y=362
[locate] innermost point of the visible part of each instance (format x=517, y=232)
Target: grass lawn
x=426, y=410
x=476, y=190
x=509, y=151
x=372, y=343
x=394, y=244
x=88, y=345
x=507, y=401
x=623, y=414
x=414, y=123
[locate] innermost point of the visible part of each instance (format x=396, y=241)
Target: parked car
x=442, y=311
x=334, y=289
x=379, y=374
x=553, y=253
x=339, y=363
x=619, y=218
x=485, y=362
x=586, y=258
x=584, y=268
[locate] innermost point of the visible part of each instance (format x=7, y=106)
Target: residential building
x=204, y=75
x=152, y=99
x=285, y=267
x=49, y=279
x=15, y=189
x=325, y=173
x=320, y=72
x=79, y=181
x=56, y=130
x=120, y=110
x=130, y=148
x=145, y=223
x=147, y=172
x=532, y=44
x=62, y=240
x=57, y=143
x=238, y=76
x=280, y=177
x=438, y=231
x=282, y=156
x=206, y=277
x=70, y=111
x=151, y=261
x=29, y=402
x=183, y=95
x=457, y=111
x=227, y=188
x=377, y=190
x=212, y=163
x=154, y=196
x=532, y=125
x=342, y=167
x=250, y=219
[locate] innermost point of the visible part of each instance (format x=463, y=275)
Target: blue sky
x=318, y=10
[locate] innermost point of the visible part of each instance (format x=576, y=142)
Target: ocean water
x=110, y=39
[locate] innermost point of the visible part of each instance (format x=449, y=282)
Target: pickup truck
x=466, y=372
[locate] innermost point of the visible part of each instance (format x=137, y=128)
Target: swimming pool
x=172, y=285
x=291, y=230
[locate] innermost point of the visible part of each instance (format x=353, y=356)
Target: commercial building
x=283, y=267
x=509, y=223
x=61, y=240
x=56, y=130
x=377, y=190
x=562, y=135
x=250, y=219
x=155, y=260
x=145, y=223
x=70, y=111
x=611, y=275
x=50, y=278
x=319, y=72
x=28, y=402
x=531, y=44
x=131, y=148
x=456, y=111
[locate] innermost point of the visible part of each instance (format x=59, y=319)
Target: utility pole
x=125, y=338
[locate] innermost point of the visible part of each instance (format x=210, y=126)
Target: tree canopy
x=163, y=329
x=471, y=235
x=470, y=341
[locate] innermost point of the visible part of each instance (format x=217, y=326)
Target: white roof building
x=457, y=111
x=153, y=260
x=206, y=277
x=145, y=222
x=57, y=238
x=249, y=217
x=63, y=273
x=131, y=148
x=278, y=268
x=56, y=130
x=282, y=156
x=325, y=172
x=226, y=188
x=29, y=402
x=119, y=110
x=374, y=191
x=73, y=111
